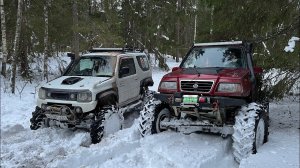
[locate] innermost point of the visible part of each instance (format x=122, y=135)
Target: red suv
x=215, y=89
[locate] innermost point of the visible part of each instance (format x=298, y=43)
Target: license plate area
x=190, y=99
x=57, y=117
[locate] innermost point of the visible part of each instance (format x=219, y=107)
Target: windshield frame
x=93, y=57
x=241, y=48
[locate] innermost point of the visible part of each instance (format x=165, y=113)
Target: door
x=127, y=81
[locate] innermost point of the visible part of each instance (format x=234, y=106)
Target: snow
x=291, y=44
x=54, y=147
x=165, y=37
x=282, y=150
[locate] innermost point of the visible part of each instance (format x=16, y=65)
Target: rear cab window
x=129, y=63
x=143, y=62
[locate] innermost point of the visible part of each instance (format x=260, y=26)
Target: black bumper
x=176, y=100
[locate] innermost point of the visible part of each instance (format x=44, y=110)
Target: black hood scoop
x=71, y=80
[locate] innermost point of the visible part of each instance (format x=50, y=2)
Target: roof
x=113, y=52
x=106, y=50
x=124, y=50
x=219, y=43
x=101, y=54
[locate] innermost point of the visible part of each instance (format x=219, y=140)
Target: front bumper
x=176, y=100
x=64, y=116
x=85, y=106
x=207, y=109
x=186, y=126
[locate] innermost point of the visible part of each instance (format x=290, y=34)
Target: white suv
x=92, y=91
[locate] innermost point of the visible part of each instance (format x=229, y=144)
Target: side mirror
x=258, y=70
x=175, y=69
x=123, y=71
x=71, y=55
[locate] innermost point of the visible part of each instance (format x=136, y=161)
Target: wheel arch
x=107, y=97
x=145, y=83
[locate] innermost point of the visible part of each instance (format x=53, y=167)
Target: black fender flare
x=107, y=97
x=146, y=82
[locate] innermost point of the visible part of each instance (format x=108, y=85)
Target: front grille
x=196, y=86
x=60, y=96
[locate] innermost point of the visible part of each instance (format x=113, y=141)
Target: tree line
x=42, y=28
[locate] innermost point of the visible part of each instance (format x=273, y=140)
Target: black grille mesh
x=196, y=86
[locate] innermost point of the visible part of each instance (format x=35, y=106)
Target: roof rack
x=106, y=49
x=125, y=49
x=219, y=43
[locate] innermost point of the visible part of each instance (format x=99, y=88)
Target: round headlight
x=72, y=96
x=85, y=96
x=42, y=93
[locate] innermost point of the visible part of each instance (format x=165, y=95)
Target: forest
x=34, y=30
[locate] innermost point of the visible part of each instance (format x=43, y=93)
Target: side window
x=126, y=64
x=143, y=62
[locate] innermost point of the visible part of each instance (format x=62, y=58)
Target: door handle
x=122, y=83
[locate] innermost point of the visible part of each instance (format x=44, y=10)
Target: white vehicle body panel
x=128, y=88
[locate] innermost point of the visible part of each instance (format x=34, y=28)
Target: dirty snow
x=52, y=147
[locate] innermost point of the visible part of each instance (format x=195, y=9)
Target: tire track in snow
x=26, y=148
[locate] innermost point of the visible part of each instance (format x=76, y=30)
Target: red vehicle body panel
x=226, y=75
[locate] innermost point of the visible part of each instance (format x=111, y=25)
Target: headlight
x=85, y=96
x=229, y=87
x=42, y=93
x=168, y=85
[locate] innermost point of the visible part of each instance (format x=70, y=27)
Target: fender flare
x=107, y=97
x=146, y=82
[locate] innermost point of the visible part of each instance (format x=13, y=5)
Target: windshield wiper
x=104, y=76
x=215, y=67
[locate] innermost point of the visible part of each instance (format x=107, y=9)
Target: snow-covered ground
x=52, y=147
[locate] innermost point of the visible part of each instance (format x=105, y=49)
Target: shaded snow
x=53, y=147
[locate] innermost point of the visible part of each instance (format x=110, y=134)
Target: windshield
x=99, y=66
x=214, y=57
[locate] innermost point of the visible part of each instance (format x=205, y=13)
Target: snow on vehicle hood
x=75, y=82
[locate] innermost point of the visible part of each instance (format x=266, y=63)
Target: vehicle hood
x=75, y=82
x=208, y=73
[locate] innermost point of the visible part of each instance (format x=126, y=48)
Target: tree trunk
x=75, y=46
x=161, y=59
x=178, y=30
x=211, y=23
x=24, y=45
x=46, y=40
x=16, y=46
x=195, y=29
x=3, y=60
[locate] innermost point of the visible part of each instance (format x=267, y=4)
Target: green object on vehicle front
x=190, y=99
